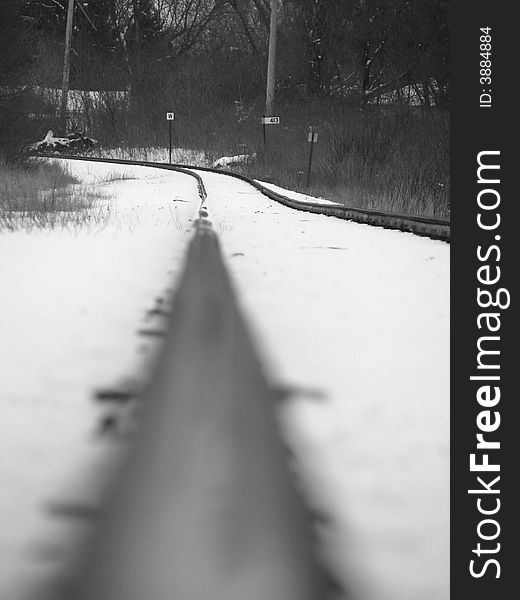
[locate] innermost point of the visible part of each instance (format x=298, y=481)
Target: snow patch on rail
x=297, y=195
x=229, y=161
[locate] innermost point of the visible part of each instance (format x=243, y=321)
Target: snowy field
x=71, y=305
x=351, y=321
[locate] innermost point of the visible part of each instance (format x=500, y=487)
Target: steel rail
x=424, y=226
x=138, y=163
x=438, y=229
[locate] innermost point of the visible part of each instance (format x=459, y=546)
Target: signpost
x=271, y=120
x=170, y=116
x=312, y=138
x=268, y=121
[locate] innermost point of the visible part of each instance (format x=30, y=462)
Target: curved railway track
x=437, y=229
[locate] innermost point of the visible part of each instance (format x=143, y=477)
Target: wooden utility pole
x=271, y=60
x=66, y=67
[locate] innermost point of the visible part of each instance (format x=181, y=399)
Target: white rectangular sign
x=312, y=137
x=270, y=120
x=170, y=116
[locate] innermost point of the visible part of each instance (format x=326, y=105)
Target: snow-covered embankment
x=353, y=322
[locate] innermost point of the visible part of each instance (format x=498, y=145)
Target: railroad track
x=437, y=229
x=206, y=506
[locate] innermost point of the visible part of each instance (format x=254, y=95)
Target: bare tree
x=15, y=62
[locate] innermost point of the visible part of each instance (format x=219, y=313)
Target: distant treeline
x=196, y=55
x=356, y=48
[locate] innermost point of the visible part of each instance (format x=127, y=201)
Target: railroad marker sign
x=170, y=116
x=312, y=138
x=268, y=121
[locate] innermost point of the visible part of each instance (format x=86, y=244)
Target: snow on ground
x=71, y=304
x=356, y=319
x=226, y=161
x=352, y=319
x=295, y=195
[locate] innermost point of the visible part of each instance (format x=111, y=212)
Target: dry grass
x=156, y=154
x=43, y=195
x=389, y=158
x=396, y=162
x=393, y=158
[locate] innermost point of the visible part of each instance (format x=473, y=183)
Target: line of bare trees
x=361, y=48
x=198, y=53
x=15, y=63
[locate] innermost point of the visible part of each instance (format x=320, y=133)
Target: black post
x=311, y=135
x=264, y=136
x=170, y=155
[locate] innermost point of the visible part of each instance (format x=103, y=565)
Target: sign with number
x=170, y=116
x=270, y=120
x=313, y=136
